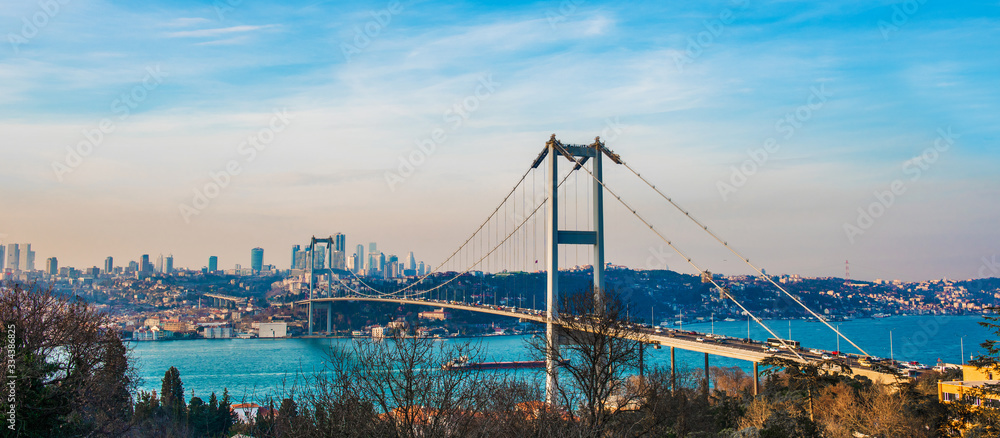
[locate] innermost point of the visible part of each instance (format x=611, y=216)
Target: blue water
x=252, y=368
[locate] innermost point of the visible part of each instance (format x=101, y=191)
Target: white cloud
x=204, y=33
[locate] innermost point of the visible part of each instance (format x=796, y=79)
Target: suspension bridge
x=537, y=225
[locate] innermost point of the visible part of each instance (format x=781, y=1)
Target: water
x=255, y=367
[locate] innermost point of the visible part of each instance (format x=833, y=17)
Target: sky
x=806, y=134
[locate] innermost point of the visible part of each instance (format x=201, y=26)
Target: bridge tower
x=577, y=155
x=330, y=244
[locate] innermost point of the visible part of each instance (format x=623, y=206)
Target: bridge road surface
x=735, y=348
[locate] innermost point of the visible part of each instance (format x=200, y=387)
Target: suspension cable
x=681, y=253
x=741, y=257
x=381, y=294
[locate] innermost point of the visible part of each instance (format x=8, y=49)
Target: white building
x=272, y=330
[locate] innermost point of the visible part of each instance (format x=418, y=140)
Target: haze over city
x=805, y=134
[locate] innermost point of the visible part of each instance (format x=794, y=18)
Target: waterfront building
x=272, y=330
x=257, y=259
x=439, y=314
x=217, y=331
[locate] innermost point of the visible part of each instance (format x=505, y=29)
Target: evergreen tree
x=198, y=417
x=172, y=395
x=223, y=419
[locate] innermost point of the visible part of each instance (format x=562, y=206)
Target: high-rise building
x=159, y=264
x=213, y=264
x=144, y=265
x=411, y=263
x=29, y=258
x=295, y=254
x=359, y=259
x=52, y=266
x=339, y=262
x=168, y=264
x=257, y=259
x=3, y=261
x=371, y=247
x=340, y=242
x=14, y=257
x=109, y=265
x=420, y=269
x=301, y=259
x=319, y=258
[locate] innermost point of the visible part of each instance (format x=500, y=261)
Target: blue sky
x=894, y=72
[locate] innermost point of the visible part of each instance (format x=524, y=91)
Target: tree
x=599, y=350
x=810, y=376
x=172, y=395
x=71, y=370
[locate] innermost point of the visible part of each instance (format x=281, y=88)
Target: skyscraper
x=29, y=258
x=411, y=263
x=144, y=265
x=169, y=264
x=339, y=251
x=359, y=259
x=319, y=258
x=257, y=259
x=340, y=242
x=159, y=264
x=14, y=257
x=213, y=264
x=295, y=254
x=52, y=266
x=3, y=261
x=371, y=247
x=109, y=265
x=301, y=259
x=420, y=269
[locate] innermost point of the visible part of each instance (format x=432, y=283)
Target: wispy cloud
x=186, y=22
x=208, y=33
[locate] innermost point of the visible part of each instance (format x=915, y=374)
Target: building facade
x=257, y=259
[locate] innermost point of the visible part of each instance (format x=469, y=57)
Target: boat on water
x=463, y=363
x=729, y=320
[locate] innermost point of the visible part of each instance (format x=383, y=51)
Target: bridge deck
x=680, y=339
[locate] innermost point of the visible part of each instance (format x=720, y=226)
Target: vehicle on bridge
x=779, y=343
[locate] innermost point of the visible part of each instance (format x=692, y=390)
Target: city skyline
x=805, y=134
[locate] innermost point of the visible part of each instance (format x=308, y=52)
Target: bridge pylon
x=554, y=149
x=330, y=246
